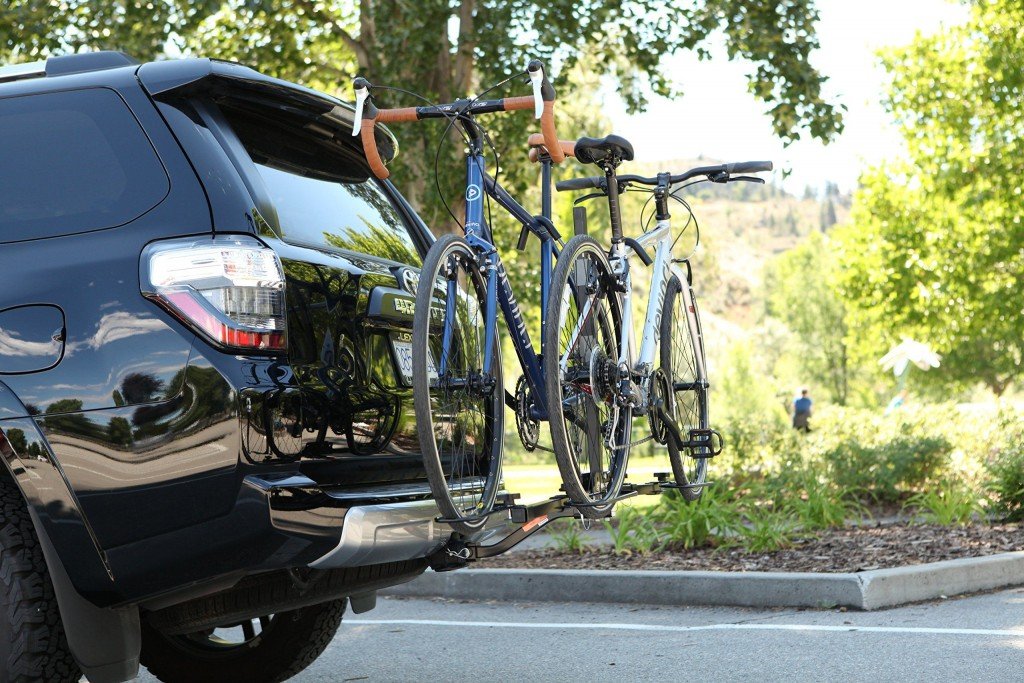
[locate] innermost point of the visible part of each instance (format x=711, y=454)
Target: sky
x=716, y=117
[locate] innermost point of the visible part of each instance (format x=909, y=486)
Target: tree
x=933, y=250
x=448, y=48
x=799, y=292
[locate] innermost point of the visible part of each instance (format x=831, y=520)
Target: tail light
x=228, y=288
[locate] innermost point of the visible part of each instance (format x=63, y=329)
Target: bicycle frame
x=479, y=183
x=664, y=268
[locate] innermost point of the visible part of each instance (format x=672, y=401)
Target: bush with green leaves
x=887, y=471
x=950, y=503
x=635, y=533
x=817, y=504
x=710, y=520
x=570, y=539
x=1006, y=480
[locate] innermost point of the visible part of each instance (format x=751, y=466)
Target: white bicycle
x=596, y=382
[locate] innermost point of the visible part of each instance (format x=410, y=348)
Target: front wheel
x=459, y=399
x=682, y=361
x=590, y=430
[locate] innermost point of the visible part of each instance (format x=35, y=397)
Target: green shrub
x=635, y=533
x=710, y=520
x=767, y=530
x=947, y=504
x=569, y=539
x=889, y=470
x=1006, y=482
x=817, y=505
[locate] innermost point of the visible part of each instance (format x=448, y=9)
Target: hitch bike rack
x=459, y=551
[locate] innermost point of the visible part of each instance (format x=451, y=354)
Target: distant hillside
x=742, y=226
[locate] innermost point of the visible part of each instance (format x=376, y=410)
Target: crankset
x=527, y=427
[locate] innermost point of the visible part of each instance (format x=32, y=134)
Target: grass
x=569, y=539
x=635, y=533
x=948, y=504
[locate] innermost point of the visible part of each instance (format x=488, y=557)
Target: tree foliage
x=934, y=249
x=800, y=292
x=444, y=49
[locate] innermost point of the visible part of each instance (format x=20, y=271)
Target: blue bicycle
x=458, y=391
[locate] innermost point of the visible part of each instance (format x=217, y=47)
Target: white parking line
x=686, y=629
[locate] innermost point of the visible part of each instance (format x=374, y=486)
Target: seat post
x=615, y=214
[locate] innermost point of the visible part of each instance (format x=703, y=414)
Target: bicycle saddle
x=596, y=150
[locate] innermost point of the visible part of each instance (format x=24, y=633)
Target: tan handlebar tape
x=366, y=134
x=547, y=128
x=397, y=115
x=536, y=140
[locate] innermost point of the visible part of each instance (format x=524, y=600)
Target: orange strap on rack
x=536, y=142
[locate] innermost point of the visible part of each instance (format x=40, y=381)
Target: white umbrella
x=909, y=351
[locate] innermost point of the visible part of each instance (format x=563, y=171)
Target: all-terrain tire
x=33, y=646
x=291, y=643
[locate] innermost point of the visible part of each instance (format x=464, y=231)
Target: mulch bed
x=851, y=549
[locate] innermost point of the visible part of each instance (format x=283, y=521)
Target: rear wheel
x=459, y=405
x=263, y=650
x=589, y=431
x=682, y=361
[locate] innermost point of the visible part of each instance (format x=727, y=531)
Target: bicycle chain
x=630, y=445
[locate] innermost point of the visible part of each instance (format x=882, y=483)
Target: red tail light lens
x=229, y=288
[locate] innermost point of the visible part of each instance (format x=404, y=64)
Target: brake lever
x=747, y=179
x=537, y=79
x=719, y=177
x=362, y=90
x=588, y=197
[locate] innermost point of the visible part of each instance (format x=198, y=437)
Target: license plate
x=403, y=353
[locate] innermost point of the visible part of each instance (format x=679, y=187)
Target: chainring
x=527, y=427
x=658, y=396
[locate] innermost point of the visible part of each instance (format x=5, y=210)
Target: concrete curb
x=868, y=590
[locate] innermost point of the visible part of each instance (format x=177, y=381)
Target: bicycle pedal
x=708, y=440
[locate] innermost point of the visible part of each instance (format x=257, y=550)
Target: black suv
x=206, y=418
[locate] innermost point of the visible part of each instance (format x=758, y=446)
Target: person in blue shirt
x=802, y=411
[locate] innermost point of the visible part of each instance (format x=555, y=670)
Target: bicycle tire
x=584, y=264
x=688, y=407
x=464, y=484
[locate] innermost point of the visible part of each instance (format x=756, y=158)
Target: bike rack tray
x=459, y=551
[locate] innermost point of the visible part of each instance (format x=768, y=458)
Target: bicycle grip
x=580, y=184
x=748, y=167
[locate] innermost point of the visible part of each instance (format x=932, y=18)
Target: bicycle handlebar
x=722, y=171
x=537, y=145
x=367, y=115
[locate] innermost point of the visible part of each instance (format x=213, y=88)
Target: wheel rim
x=227, y=639
x=462, y=396
x=587, y=355
x=689, y=405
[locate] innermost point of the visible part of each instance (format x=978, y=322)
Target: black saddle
x=612, y=148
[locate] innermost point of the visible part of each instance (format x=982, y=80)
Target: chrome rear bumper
x=400, y=527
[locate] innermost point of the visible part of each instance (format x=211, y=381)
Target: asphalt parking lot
x=975, y=638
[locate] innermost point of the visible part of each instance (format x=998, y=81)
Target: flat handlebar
x=542, y=102
x=721, y=170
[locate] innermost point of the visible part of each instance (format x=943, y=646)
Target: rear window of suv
x=72, y=162
x=321, y=190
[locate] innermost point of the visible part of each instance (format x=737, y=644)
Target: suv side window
x=72, y=162
x=321, y=190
